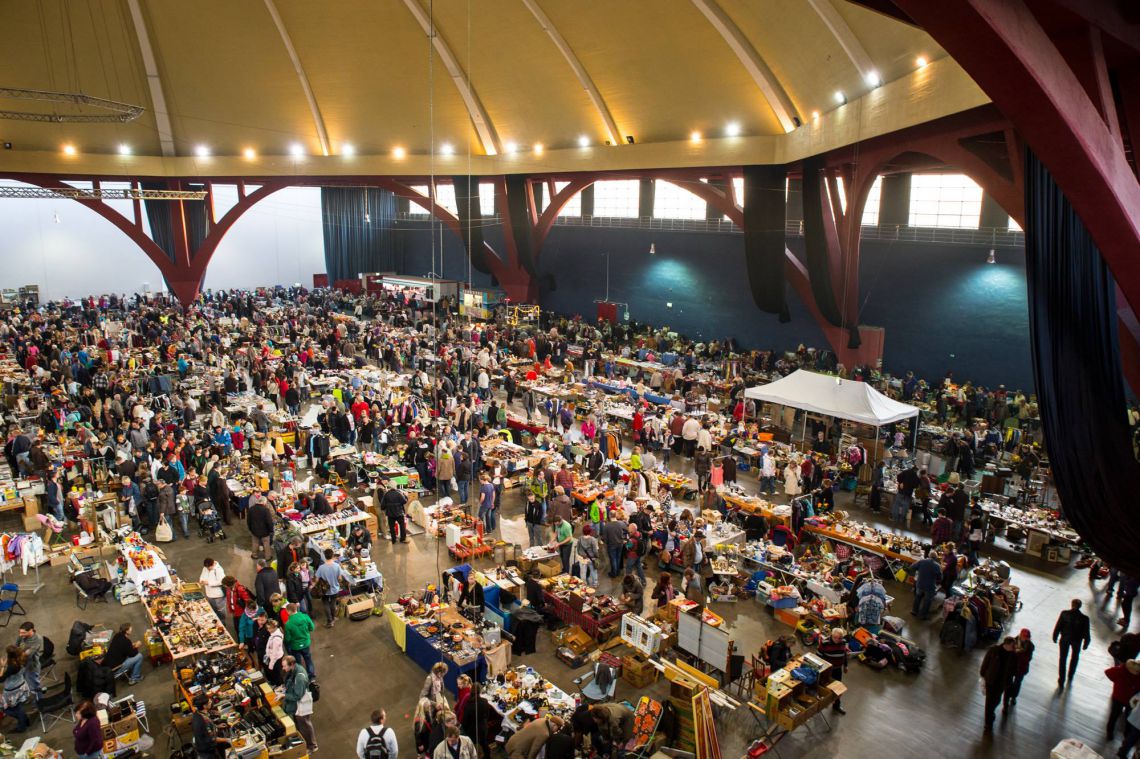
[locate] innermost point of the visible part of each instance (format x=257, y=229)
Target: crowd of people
x=101, y=370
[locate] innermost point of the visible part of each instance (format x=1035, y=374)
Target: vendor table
x=420, y=648
x=723, y=534
x=506, y=698
x=187, y=624
x=340, y=519
x=753, y=505
x=589, y=623
x=862, y=545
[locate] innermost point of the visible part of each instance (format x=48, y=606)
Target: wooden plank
x=695, y=673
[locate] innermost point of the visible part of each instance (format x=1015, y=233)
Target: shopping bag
x=163, y=532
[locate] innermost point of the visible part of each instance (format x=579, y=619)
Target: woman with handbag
x=16, y=690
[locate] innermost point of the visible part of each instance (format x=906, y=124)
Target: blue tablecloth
x=420, y=650
x=660, y=400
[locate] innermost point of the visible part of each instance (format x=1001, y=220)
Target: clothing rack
x=33, y=589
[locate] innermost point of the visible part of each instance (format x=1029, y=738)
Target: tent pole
x=803, y=432
x=878, y=435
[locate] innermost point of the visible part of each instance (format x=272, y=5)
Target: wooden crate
x=637, y=671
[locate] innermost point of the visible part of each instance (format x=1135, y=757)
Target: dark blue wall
x=414, y=244
x=701, y=274
x=946, y=309
x=943, y=308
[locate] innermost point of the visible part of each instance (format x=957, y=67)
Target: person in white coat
x=792, y=479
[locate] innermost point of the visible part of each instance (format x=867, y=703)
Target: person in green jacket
x=297, y=700
x=298, y=636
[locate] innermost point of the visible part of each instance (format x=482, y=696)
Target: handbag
x=163, y=533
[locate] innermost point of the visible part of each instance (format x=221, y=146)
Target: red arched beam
x=558, y=201
x=185, y=272
x=1008, y=52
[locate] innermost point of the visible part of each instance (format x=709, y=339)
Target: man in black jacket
x=1072, y=630
x=999, y=667
x=265, y=584
x=393, y=505
x=259, y=520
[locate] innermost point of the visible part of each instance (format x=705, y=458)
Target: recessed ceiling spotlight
x=447, y=149
x=583, y=141
x=398, y=153
x=815, y=115
x=873, y=79
x=840, y=97
x=733, y=129
x=124, y=149
x=297, y=150
x=348, y=149
x=538, y=148
x=249, y=153
x=694, y=136
x=511, y=147
x=202, y=151
x=921, y=61
x=69, y=149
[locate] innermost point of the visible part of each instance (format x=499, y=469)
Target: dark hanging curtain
x=197, y=219
x=471, y=220
x=764, y=248
x=358, y=230
x=158, y=213
x=815, y=242
x=158, y=216
x=520, y=221
x=1076, y=365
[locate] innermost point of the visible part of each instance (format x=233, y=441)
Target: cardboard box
x=32, y=523
x=355, y=604
x=637, y=671
x=574, y=638
x=788, y=616
x=31, y=505
x=549, y=568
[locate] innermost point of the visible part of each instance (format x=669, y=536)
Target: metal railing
x=997, y=237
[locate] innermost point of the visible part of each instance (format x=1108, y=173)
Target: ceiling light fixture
x=815, y=115
x=873, y=79
x=297, y=150
x=69, y=149
x=840, y=97
x=124, y=149
x=538, y=148
x=249, y=153
x=202, y=151
x=511, y=147
x=733, y=129
x=921, y=61
x=348, y=149
x=694, y=136
x=399, y=153
x=583, y=141
x=447, y=149
x=992, y=257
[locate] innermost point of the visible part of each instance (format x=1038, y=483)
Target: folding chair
x=603, y=683
x=10, y=604
x=57, y=704
x=47, y=662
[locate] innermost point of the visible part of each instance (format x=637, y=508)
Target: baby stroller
x=209, y=522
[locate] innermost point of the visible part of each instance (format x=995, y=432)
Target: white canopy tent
x=825, y=394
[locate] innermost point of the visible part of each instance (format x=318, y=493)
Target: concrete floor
x=937, y=712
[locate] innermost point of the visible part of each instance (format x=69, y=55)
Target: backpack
x=77, y=637
x=376, y=748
